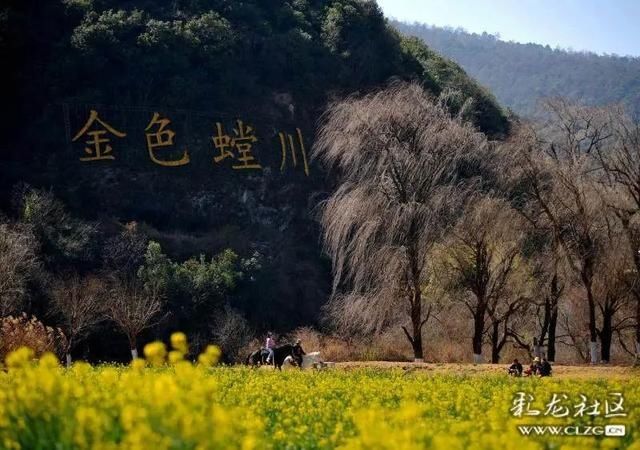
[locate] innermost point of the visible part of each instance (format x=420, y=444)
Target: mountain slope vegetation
x=521, y=74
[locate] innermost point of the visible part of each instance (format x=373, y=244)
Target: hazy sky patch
x=599, y=26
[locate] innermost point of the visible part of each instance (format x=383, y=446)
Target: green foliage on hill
x=521, y=74
x=217, y=54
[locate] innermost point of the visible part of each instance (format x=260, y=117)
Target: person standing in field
x=270, y=345
x=298, y=352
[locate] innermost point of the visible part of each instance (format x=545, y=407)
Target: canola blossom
x=165, y=402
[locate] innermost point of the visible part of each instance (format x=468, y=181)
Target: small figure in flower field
x=533, y=368
x=270, y=345
x=298, y=352
x=515, y=369
x=545, y=368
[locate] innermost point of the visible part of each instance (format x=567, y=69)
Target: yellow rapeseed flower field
x=180, y=405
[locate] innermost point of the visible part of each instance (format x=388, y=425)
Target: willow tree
x=396, y=154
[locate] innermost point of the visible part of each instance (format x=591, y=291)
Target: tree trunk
x=635, y=252
x=133, y=347
x=495, y=346
x=637, y=329
x=416, y=307
x=415, y=337
x=593, y=352
x=593, y=330
x=606, y=334
x=539, y=342
x=67, y=350
x=537, y=348
x=551, y=341
x=416, y=323
x=478, y=331
x=552, y=317
x=417, y=350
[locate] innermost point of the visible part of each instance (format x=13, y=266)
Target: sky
x=600, y=26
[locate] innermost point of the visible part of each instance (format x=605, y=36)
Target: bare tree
x=231, y=332
x=550, y=277
x=18, y=265
x=80, y=304
x=395, y=153
x=483, y=258
x=621, y=164
x=572, y=321
x=613, y=285
x=133, y=310
x=123, y=254
x=556, y=170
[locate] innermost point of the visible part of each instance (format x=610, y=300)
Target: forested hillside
x=521, y=74
x=169, y=143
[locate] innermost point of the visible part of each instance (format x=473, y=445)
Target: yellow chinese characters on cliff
x=235, y=148
x=162, y=138
x=95, y=150
x=241, y=142
x=287, y=143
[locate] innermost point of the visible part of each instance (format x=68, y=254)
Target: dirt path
x=559, y=371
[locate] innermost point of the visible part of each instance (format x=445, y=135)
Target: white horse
x=309, y=361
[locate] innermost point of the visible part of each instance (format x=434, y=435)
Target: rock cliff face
x=243, y=85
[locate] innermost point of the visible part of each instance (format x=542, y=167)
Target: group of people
x=539, y=367
x=297, y=351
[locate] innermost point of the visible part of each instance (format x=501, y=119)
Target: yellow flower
x=179, y=342
x=110, y=407
x=20, y=357
x=155, y=352
x=210, y=356
x=175, y=357
x=138, y=364
x=49, y=360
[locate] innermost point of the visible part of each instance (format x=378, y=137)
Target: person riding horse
x=259, y=357
x=269, y=346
